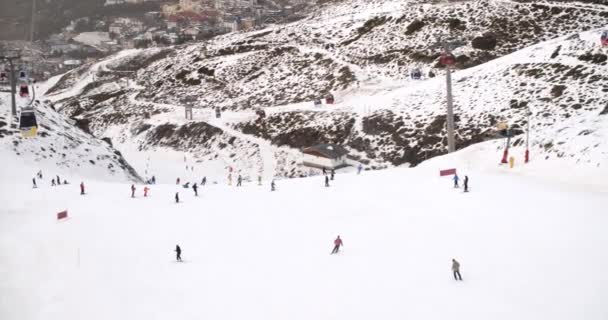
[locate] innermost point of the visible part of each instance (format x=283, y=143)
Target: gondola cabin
x=447, y=59
x=329, y=98
x=28, y=124
x=416, y=74
x=24, y=91
x=604, y=38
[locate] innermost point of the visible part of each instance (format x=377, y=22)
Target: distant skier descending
x=82, y=188
x=53, y=182
x=132, y=191
x=146, y=189
x=195, y=189
x=326, y=181
x=239, y=181
x=337, y=244
x=272, y=186
x=359, y=168
x=34, y=182
x=466, y=183
x=177, y=197
x=204, y=181
x=333, y=173
x=178, y=253
x=456, y=270
x=456, y=178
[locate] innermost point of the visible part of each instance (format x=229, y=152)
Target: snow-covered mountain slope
x=61, y=147
x=528, y=250
x=137, y=98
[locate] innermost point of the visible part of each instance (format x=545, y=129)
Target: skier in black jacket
x=178, y=253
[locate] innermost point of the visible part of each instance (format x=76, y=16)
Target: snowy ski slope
x=528, y=249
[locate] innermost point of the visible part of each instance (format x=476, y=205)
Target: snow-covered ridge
x=383, y=119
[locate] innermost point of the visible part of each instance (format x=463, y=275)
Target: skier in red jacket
x=337, y=244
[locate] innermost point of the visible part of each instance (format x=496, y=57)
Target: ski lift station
x=329, y=156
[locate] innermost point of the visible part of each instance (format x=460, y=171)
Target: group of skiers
x=338, y=243
x=54, y=182
x=466, y=182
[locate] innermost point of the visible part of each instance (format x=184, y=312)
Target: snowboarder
x=333, y=173
x=466, y=183
x=34, y=181
x=326, y=181
x=82, y=188
x=337, y=244
x=177, y=181
x=132, y=191
x=53, y=182
x=359, y=168
x=178, y=253
x=195, y=188
x=456, y=270
x=58, y=180
x=239, y=180
x=272, y=186
x=455, y=180
x=324, y=171
x=146, y=189
x=177, y=197
x=204, y=181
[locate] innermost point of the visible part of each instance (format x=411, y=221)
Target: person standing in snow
x=259, y=180
x=359, y=168
x=456, y=270
x=204, y=181
x=178, y=253
x=177, y=181
x=132, y=191
x=455, y=180
x=195, y=188
x=81, y=188
x=58, y=181
x=34, y=181
x=153, y=180
x=326, y=181
x=337, y=244
x=466, y=183
x=146, y=189
x=324, y=171
x=177, y=197
x=272, y=186
x=239, y=180
x=333, y=172
x=53, y=182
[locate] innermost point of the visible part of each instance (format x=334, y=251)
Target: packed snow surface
x=529, y=248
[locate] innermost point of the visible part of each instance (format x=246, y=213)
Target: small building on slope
x=329, y=156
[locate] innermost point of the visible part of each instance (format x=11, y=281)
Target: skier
x=239, y=180
x=359, y=168
x=177, y=197
x=326, y=181
x=230, y=179
x=324, y=171
x=82, y=188
x=153, y=180
x=146, y=189
x=65, y=182
x=204, y=181
x=333, y=172
x=456, y=270
x=178, y=253
x=195, y=188
x=259, y=180
x=58, y=180
x=455, y=180
x=53, y=182
x=34, y=181
x=466, y=183
x=272, y=186
x=177, y=181
x=337, y=244
x=132, y=191
x=39, y=174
